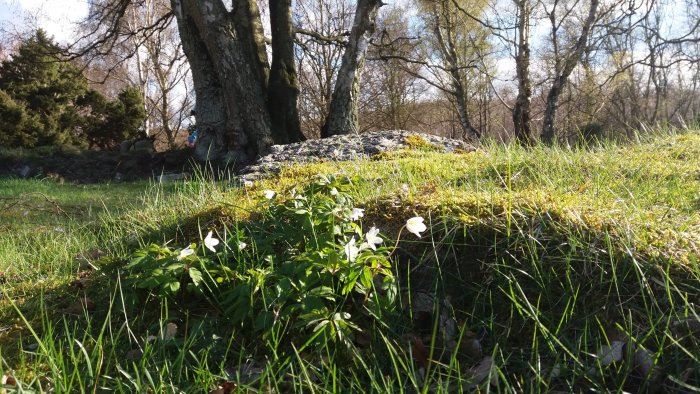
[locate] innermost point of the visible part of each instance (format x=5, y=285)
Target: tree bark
x=229, y=68
x=283, y=84
x=572, y=59
x=521, y=110
x=343, y=115
x=444, y=35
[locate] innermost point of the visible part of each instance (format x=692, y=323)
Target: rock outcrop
x=348, y=147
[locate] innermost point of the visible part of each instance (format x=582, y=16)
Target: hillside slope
x=541, y=269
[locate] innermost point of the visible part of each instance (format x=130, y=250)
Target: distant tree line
x=267, y=72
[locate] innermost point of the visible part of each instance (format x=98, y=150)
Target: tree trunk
x=343, y=115
x=468, y=131
x=572, y=59
x=229, y=69
x=283, y=84
x=521, y=110
x=446, y=43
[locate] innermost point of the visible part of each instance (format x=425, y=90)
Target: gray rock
x=344, y=148
x=24, y=171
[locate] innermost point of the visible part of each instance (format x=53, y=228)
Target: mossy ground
x=547, y=255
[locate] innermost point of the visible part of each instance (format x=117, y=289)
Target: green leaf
x=264, y=321
x=196, y=276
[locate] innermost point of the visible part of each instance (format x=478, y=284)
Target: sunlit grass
x=546, y=258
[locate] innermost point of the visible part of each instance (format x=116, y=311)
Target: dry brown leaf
x=133, y=355
x=225, y=388
x=78, y=283
x=471, y=347
x=8, y=380
x=80, y=306
x=419, y=352
x=362, y=339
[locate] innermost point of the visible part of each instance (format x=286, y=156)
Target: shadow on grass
x=538, y=297
x=90, y=166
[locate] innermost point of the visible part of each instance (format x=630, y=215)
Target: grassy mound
x=541, y=269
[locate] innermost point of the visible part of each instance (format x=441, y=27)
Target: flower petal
x=415, y=225
x=210, y=242
x=188, y=251
x=357, y=213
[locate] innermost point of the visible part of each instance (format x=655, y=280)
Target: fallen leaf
x=644, y=363
x=471, y=347
x=419, y=352
x=133, y=355
x=610, y=354
x=78, y=283
x=80, y=306
x=682, y=328
x=96, y=254
x=170, y=331
x=8, y=380
x=84, y=274
x=362, y=339
x=225, y=388
x=448, y=329
x=481, y=371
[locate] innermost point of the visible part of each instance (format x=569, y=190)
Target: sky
x=57, y=17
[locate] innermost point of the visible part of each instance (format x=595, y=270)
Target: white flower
x=334, y=192
x=269, y=194
x=372, y=238
x=210, y=242
x=351, y=250
x=357, y=213
x=188, y=251
x=415, y=225
x=241, y=245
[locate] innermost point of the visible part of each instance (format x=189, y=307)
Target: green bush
x=44, y=100
x=305, y=271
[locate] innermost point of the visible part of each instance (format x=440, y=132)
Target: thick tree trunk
x=572, y=59
x=521, y=110
x=229, y=68
x=343, y=115
x=283, y=84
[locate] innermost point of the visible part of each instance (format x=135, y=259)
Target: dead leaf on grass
x=170, y=331
x=225, y=388
x=8, y=380
x=681, y=328
x=645, y=365
x=78, y=283
x=80, y=306
x=611, y=354
x=362, y=339
x=481, y=371
x=133, y=355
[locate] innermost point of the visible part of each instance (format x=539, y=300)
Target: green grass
x=537, y=263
